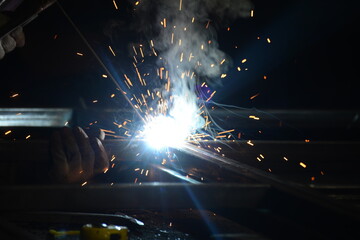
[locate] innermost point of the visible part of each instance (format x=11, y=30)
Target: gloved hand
x=76, y=158
x=15, y=39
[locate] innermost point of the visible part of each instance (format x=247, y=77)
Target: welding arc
x=98, y=59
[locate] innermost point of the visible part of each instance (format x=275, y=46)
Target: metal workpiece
x=75, y=218
x=100, y=198
x=35, y=117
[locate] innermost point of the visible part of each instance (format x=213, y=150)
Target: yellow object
x=103, y=232
x=55, y=233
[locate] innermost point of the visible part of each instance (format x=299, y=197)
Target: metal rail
x=100, y=198
x=300, y=191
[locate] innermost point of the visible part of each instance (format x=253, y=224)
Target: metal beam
x=34, y=117
x=100, y=198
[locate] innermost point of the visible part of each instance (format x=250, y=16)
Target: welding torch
x=18, y=13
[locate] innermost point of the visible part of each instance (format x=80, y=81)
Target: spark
x=104, y=76
x=250, y=143
x=107, y=131
x=302, y=164
x=134, y=50
x=207, y=25
x=7, y=132
x=244, y=60
x=128, y=80
x=221, y=136
x=141, y=52
x=254, y=96
x=180, y=5
x=112, y=51
x=14, y=95
x=115, y=5
x=142, y=81
x=79, y=54
x=212, y=94
x=252, y=13
x=172, y=38
x=28, y=136
x=191, y=57
x=268, y=40
x=83, y=184
x=168, y=85
x=254, y=117
x=228, y=131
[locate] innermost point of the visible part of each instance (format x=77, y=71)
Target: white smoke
x=186, y=41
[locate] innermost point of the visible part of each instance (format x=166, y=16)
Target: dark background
x=309, y=64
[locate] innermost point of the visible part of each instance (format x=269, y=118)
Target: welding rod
x=23, y=20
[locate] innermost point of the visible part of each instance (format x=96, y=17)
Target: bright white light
x=164, y=131
x=173, y=130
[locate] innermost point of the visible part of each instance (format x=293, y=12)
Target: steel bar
x=34, y=117
x=300, y=191
x=100, y=198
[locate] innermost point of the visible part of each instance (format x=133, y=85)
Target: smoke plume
x=184, y=35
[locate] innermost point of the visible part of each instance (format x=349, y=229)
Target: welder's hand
x=15, y=39
x=76, y=157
